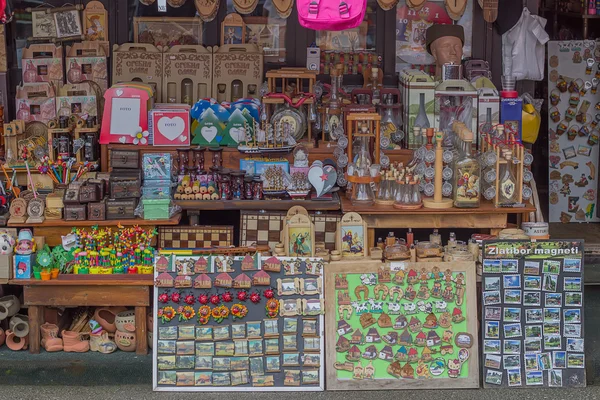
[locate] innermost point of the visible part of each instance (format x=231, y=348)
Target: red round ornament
x=215, y=299
x=163, y=297
x=203, y=299
x=242, y=295
x=255, y=297
x=175, y=297
x=269, y=293
x=227, y=297
x=189, y=299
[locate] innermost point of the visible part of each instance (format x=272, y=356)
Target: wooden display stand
x=82, y=130
x=54, y=132
x=438, y=201
x=297, y=78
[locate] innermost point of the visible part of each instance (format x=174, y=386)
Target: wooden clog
x=455, y=8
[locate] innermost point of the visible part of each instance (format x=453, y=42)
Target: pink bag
x=331, y=15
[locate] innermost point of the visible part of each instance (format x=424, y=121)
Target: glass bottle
x=508, y=183
x=422, y=121
x=362, y=193
x=363, y=157
x=374, y=86
x=390, y=123
x=435, y=237
x=467, y=177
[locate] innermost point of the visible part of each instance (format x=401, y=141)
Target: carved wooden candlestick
x=438, y=201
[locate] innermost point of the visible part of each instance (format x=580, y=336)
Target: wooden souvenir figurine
x=35, y=209
x=438, y=202
x=18, y=211
x=351, y=236
x=233, y=30
x=299, y=235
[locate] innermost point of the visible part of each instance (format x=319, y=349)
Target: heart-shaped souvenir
x=237, y=134
x=322, y=178
x=171, y=128
x=209, y=133
x=119, y=92
x=123, y=139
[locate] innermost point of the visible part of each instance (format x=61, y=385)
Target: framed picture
x=68, y=23
x=42, y=25
x=233, y=30
x=270, y=37
x=351, y=235
x=95, y=22
x=166, y=31
x=299, y=236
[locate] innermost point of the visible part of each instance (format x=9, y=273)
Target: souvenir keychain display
x=573, y=130
x=393, y=325
x=532, y=314
x=238, y=323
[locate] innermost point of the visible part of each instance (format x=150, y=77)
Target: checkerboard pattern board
x=194, y=237
x=265, y=228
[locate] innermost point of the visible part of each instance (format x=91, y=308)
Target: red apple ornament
x=255, y=297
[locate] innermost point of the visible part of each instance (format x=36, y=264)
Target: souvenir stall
x=222, y=181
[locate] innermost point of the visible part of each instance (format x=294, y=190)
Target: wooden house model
x=353, y=353
x=224, y=280
x=163, y=264
x=400, y=322
x=384, y=274
x=390, y=337
x=405, y=338
x=433, y=339
x=357, y=337
x=370, y=352
x=248, y=263
x=372, y=336
x=242, y=281
x=261, y=278
x=201, y=265
x=183, y=281
x=421, y=339
x=272, y=264
x=343, y=327
x=164, y=280
x=342, y=345
x=202, y=281
x=386, y=353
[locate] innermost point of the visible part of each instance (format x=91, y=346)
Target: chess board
x=264, y=228
x=194, y=237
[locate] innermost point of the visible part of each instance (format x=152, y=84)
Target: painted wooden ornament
x=387, y=5
x=245, y=6
x=207, y=9
x=283, y=7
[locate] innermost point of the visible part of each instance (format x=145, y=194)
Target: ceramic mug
x=9, y=306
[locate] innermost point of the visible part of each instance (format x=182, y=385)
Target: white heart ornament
x=237, y=134
x=171, y=128
x=123, y=139
x=331, y=178
x=119, y=92
x=209, y=133
x=182, y=138
x=315, y=178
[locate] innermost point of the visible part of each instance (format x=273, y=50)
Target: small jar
x=258, y=188
x=248, y=187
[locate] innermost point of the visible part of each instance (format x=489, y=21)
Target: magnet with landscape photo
x=493, y=313
x=532, y=283
x=533, y=315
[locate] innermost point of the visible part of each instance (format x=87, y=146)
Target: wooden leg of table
x=370, y=239
x=141, y=333
x=35, y=320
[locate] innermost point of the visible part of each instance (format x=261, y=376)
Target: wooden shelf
x=125, y=222
x=90, y=280
x=3, y=281
x=276, y=100
x=270, y=205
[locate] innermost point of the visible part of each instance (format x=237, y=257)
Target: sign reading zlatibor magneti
x=532, y=322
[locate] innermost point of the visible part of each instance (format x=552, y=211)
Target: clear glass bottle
x=422, y=121
x=467, y=177
x=507, y=194
x=435, y=237
x=362, y=193
x=390, y=123
x=363, y=156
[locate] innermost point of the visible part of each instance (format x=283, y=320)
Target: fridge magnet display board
x=238, y=323
x=401, y=325
x=532, y=322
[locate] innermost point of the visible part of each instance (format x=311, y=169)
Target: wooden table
x=94, y=291
x=487, y=216
x=267, y=205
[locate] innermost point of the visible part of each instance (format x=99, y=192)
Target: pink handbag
x=331, y=15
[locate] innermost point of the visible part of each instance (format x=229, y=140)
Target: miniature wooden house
x=390, y=337
x=405, y=338
x=201, y=265
x=164, y=280
x=372, y=336
x=343, y=327
x=272, y=264
x=386, y=353
x=341, y=282
x=242, y=281
x=353, y=353
x=183, y=281
x=357, y=337
x=384, y=275
x=261, y=278
x=342, y=345
x=370, y=352
x=433, y=339
x=224, y=280
x=421, y=339
x=163, y=264
x=343, y=297
x=400, y=322
x=202, y=281
x=407, y=371
x=248, y=263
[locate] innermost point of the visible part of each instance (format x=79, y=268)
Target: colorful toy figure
x=25, y=242
x=7, y=243
x=454, y=366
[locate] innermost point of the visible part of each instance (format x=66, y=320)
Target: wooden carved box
x=125, y=159
x=89, y=192
x=102, y=186
x=97, y=211
x=75, y=212
x=120, y=209
x=71, y=195
x=125, y=188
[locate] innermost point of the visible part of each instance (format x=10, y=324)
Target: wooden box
x=120, y=209
x=75, y=212
x=138, y=62
x=125, y=159
x=192, y=237
x=6, y=262
x=102, y=186
x=97, y=211
x=53, y=200
x=187, y=74
x=239, y=65
x=71, y=195
x=125, y=188
x=88, y=193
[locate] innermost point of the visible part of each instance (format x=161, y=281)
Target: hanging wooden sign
x=233, y=30
x=299, y=235
x=490, y=10
x=387, y=5
x=207, y=9
x=284, y=7
x=455, y=8
x=245, y=6
x=351, y=235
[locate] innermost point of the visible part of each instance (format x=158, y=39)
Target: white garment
x=523, y=53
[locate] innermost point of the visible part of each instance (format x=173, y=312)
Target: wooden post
x=141, y=331
x=35, y=320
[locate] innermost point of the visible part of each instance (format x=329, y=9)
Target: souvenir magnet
x=555, y=97
x=562, y=127
x=592, y=168
x=572, y=132
x=554, y=114
x=589, y=64
x=313, y=306
x=570, y=114
x=574, y=99
x=561, y=84
x=464, y=340
x=584, y=89
x=595, y=85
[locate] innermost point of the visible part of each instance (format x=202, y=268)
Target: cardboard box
x=6, y=266
x=42, y=63
x=23, y=266
x=237, y=71
x=187, y=74
x=452, y=95
x=313, y=58
x=140, y=62
x=36, y=103
x=87, y=61
x=412, y=84
x=76, y=99
x=489, y=103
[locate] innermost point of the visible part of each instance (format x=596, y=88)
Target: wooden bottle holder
x=438, y=202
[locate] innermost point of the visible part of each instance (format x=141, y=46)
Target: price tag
x=162, y=5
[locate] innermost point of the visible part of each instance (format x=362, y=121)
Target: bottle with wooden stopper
x=507, y=192
x=467, y=176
